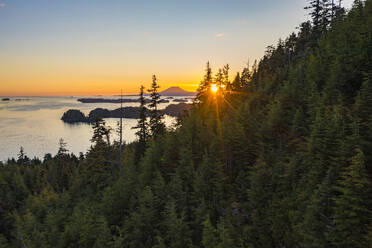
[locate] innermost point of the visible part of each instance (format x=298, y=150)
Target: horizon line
x=88, y=94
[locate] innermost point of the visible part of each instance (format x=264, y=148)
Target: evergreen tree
x=318, y=218
x=226, y=239
x=156, y=123
x=140, y=230
x=316, y=12
x=21, y=156
x=204, y=84
x=320, y=11
x=260, y=195
x=363, y=118
x=353, y=216
x=142, y=127
x=62, y=150
x=225, y=80
x=210, y=239
x=327, y=10
x=100, y=131
x=236, y=84
x=178, y=233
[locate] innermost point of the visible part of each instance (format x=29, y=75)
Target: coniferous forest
x=280, y=156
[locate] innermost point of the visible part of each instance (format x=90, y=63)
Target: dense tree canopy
x=279, y=157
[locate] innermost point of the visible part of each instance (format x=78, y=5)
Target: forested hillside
x=279, y=157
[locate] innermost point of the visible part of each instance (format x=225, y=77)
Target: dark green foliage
x=156, y=124
x=142, y=128
x=280, y=157
x=205, y=84
x=22, y=158
x=210, y=238
x=352, y=211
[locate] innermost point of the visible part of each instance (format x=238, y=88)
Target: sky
x=90, y=47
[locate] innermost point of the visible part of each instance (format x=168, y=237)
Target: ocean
x=35, y=124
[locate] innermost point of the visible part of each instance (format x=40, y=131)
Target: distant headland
x=76, y=116
x=107, y=100
x=170, y=93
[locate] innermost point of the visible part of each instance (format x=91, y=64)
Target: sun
x=214, y=88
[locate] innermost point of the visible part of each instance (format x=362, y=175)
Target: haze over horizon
x=97, y=48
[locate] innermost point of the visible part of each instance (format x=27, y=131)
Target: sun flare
x=214, y=88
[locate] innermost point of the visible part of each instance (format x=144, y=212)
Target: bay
x=35, y=124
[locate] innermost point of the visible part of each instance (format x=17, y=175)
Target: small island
x=76, y=116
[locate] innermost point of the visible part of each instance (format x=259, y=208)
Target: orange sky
x=100, y=47
x=37, y=77
x=84, y=89
x=90, y=85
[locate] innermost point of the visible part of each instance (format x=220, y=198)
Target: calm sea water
x=35, y=124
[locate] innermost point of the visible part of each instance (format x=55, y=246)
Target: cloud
x=220, y=35
x=2, y=5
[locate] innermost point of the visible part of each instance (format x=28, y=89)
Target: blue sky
x=103, y=44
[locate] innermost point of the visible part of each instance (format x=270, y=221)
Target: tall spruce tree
x=236, y=84
x=320, y=12
x=327, y=12
x=100, y=131
x=21, y=156
x=353, y=216
x=316, y=12
x=210, y=239
x=156, y=123
x=62, y=150
x=142, y=127
x=204, y=84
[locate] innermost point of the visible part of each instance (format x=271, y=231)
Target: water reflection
x=35, y=124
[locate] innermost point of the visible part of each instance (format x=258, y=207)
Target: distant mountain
x=176, y=91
